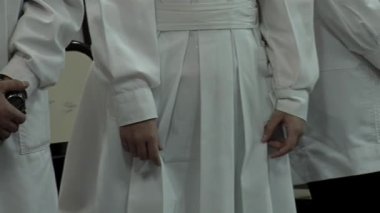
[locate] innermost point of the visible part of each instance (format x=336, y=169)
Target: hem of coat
x=305, y=171
x=134, y=106
x=18, y=69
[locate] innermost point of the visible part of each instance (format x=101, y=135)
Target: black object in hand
x=16, y=98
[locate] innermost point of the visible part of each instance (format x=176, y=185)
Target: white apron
x=213, y=100
x=28, y=49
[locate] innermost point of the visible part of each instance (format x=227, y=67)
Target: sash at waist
x=206, y=16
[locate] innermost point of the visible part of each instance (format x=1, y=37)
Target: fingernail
x=26, y=83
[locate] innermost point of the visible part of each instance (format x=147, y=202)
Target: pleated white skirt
x=213, y=102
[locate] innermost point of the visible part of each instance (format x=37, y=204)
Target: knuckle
x=134, y=141
x=151, y=137
x=136, y=137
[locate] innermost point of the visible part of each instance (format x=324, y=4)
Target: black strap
x=85, y=28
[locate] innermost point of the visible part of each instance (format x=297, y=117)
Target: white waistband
x=206, y=16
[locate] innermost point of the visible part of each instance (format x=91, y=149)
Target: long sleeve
x=287, y=27
x=38, y=43
x=356, y=23
x=130, y=42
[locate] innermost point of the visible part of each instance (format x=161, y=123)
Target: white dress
x=33, y=37
x=343, y=137
x=205, y=76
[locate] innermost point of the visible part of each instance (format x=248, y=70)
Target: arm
x=130, y=41
x=38, y=43
x=287, y=27
x=355, y=23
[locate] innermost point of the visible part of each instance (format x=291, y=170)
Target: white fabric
x=212, y=93
x=343, y=137
x=32, y=40
x=355, y=24
x=208, y=15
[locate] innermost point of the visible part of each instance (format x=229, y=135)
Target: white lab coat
x=33, y=37
x=205, y=76
x=343, y=137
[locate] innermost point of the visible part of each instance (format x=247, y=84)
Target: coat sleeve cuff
x=374, y=58
x=134, y=106
x=18, y=69
x=293, y=102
